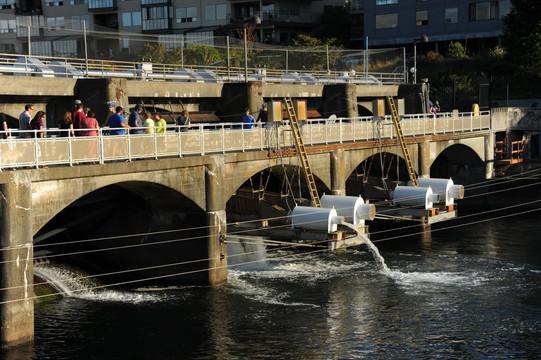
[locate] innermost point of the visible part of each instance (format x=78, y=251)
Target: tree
x=154, y=53
x=522, y=34
x=313, y=56
x=456, y=50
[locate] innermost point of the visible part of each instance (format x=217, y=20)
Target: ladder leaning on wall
x=400, y=135
x=301, y=150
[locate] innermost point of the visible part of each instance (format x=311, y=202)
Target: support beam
x=338, y=178
x=216, y=221
x=16, y=265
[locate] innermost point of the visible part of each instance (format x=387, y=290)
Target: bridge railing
x=46, y=66
x=24, y=149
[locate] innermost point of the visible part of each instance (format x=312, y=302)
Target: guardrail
x=22, y=65
x=58, y=148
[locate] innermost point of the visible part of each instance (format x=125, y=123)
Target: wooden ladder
x=400, y=134
x=301, y=150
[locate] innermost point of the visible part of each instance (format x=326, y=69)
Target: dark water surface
x=469, y=292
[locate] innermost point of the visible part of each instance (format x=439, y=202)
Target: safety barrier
x=58, y=148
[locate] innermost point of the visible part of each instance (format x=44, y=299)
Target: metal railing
x=57, y=147
x=24, y=65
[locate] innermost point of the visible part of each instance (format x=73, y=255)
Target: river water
x=467, y=291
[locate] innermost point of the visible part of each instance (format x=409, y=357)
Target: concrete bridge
x=160, y=202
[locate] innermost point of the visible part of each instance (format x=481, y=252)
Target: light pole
x=256, y=20
x=424, y=39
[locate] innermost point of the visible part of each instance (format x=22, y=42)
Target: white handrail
x=202, y=139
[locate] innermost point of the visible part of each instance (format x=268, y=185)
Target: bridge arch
x=130, y=225
x=462, y=163
x=52, y=196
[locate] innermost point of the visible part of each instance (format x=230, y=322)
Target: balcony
x=102, y=5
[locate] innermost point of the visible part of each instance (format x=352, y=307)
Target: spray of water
x=71, y=282
x=373, y=249
x=250, y=252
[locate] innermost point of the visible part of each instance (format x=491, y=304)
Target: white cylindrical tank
x=352, y=208
x=313, y=218
x=445, y=188
x=414, y=196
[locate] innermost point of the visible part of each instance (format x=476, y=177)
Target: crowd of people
x=82, y=121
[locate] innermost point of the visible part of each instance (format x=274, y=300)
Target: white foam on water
x=258, y=292
x=71, y=283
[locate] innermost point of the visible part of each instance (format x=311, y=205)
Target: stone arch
x=462, y=163
x=130, y=225
x=52, y=196
x=236, y=177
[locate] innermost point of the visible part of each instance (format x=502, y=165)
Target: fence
x=58, y=148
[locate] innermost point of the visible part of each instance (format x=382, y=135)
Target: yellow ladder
x=400, y=134
x=301, y=150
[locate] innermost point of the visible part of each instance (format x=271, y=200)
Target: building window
x=185, y=15
x=53, y=3
x=7, y=4
x=451, y=15
x=215, y=12
x=156, y=18
x=55, y=23
x=210, y=12
x=386, y=21
x=486, y=10
x=8, y=26
x=386, y=2
x=77, y=21
x=421, y=18
x=78, y=2
x=131, y=18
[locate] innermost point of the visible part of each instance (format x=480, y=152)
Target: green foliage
x=522, y=34
x=201, y=55
x=308, y=59
x=497, y=53
x=456, y=50
x=154, y=53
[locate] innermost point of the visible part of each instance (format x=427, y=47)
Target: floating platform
x=424, y=216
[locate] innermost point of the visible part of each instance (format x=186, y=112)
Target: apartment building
x=53, y=27
x=475, y=23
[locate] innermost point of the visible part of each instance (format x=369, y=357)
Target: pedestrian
x=159, y=123
x=184, y=121
x=67, y=124
x=263, y=114
x=435, y=108
x=37, y=124
x=116, y=122
x=135, y=120
x=24, y=121
x=78, y=115
x=248, y=120
x=110, y=112
x=149, y=123
x=89, y=122
x=4, y=125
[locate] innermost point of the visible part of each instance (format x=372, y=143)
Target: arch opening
x=135, y=232
x=376, y=175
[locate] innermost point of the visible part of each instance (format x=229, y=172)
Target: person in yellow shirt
x=148, y=124
x=159, y=123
